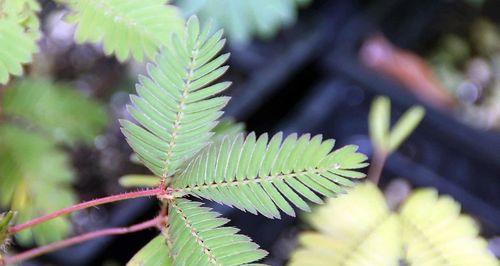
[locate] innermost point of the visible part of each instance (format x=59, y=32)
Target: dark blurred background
x=318, y=75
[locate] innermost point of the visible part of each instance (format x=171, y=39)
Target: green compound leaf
x=155, y=253
x=34, y=179
x=56, y=110
x=258, y=175
x=242, y=18
x=133, y=28
x=200, y=238
x=175, y=108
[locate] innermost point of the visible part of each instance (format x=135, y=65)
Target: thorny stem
x=29, y=254
x=159, y=191
x=376, y=166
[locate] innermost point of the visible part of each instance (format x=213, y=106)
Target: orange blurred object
x=407, y=68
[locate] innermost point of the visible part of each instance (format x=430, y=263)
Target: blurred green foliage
x=19, y=31
x=57, y=110
x=242, y=19
x=134, y=28
x=35, y=172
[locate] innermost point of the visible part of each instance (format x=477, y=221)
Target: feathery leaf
x=258, y=175
x=200, y=238
x=435, y=233
x=353, y=229
x=135, y=28
x=359, y=229
x=175, y=107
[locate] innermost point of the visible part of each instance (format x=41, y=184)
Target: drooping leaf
x=54, y=109
x=199, y=237
x=242, y=18
x=353, y=229
x=175, y=108
x=133, y=28
x=435, y=233
x=155, y=253
x=258, y=175
x=34, y=179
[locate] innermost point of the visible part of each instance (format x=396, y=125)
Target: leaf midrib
x=195, y=234
x=256, y=180
x=180, y=113
x=421, y=234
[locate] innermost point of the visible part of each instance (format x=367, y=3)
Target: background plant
x=244, y=19
x=360, y=228
x=38, y=119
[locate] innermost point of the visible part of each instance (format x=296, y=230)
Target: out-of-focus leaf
x=54, y=109
x=405, y=126
x=139, y=181
x=133, y=28
x=155, y=253
x=5, y=220
x=35, y=179
x=242, y=18
x=359, y=229
x=353, y=229
x=19, y=30
x=388, y=140
x=435, y=233
x=379, y=121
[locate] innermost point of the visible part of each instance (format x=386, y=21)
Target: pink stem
x=376, y=166
x=29, y=254
x=84, y=205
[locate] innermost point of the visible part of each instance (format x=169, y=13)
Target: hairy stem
x=376, y=166
x=29, y=254
x=87, y=204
